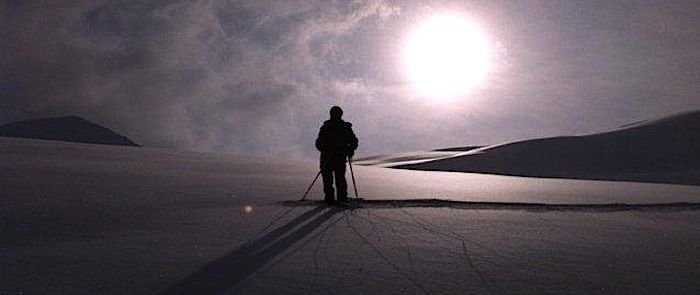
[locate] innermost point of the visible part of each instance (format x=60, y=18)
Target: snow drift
x=666, y=150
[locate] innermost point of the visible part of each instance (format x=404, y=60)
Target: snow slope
x=87, y=219
x=406, y=158
x=664, y=150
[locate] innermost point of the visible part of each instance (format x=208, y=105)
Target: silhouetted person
x=337, y=142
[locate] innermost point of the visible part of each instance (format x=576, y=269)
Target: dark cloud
x=258, y=77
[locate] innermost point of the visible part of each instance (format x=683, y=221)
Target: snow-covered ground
x=90, y=219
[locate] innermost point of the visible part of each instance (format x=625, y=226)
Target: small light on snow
x=247, y=208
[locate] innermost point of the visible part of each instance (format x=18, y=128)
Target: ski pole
x=312, y=184
x=353, y=179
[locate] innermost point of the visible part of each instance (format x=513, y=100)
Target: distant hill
x=664, y=150
x=71, y=128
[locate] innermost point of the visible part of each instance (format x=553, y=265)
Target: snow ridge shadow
x=541, y=207
x=227, y=272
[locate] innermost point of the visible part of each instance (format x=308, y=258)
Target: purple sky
x=258, y=77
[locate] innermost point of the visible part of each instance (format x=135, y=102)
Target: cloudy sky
x=258, y=77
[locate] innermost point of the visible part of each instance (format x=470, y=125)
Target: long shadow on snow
x=227, y=272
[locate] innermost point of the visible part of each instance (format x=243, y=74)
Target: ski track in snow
x=413, y=280
x=449, y=234
x=351, y=217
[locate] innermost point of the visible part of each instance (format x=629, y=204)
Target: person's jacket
x=336, y=141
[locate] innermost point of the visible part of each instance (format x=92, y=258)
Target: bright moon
x=446, y=56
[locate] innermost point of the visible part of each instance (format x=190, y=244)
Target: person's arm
x=352, y=142
x=320, y=140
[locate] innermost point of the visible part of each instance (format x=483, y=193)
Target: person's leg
x=327, y=176
x=340, y=182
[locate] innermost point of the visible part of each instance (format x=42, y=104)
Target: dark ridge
x=71, y=129
x=665, y=150
x=443, y=203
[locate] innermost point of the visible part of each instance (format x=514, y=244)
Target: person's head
x=336, y=113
